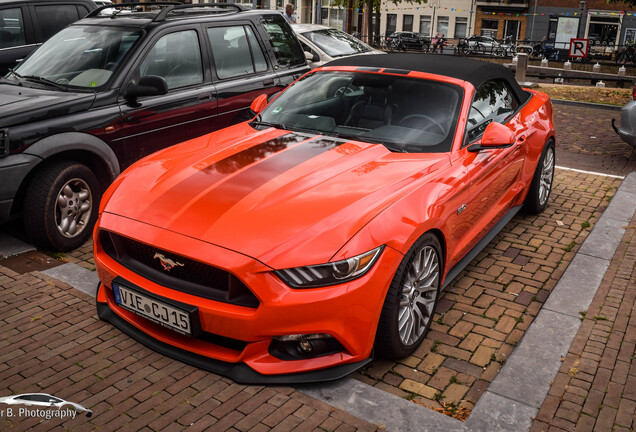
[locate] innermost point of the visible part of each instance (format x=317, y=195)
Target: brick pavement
x=595, y=388
x=486, y=311
x=586, y=141
x=53, y=342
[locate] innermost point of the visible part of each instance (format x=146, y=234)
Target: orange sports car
x=294, y=246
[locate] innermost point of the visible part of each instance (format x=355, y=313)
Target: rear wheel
x=60, y=208
x=541, y=186
x=409, y=306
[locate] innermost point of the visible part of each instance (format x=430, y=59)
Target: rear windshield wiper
x=46, y=81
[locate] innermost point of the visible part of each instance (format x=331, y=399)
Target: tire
x=404, y=299
x=541, y=186
x=49, y=220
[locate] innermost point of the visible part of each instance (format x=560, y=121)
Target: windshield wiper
x=268, y=124
x=15, y=74
x=46, y=81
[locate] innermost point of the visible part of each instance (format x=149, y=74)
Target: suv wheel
x=61, y=206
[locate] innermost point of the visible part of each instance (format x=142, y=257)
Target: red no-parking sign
x=579, y=47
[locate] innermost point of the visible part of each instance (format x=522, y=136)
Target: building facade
x=452, y=18
x=605, y=24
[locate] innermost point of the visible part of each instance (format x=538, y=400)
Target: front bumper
x=348, y=312
x=239, y=372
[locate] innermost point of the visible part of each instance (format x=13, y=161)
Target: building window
x=391, y=24
x=552, y=29
x=335, y=18
x=460, y=27
x=489, y=28
x=425, y=25
x=442, y=25
x=603, y=30
x=407, y=23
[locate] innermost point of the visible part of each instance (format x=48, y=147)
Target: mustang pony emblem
x=166, y=263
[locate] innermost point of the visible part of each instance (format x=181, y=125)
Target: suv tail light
x=634, y=92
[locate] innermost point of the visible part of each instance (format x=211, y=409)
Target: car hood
x=24, y=104
x=281, y=197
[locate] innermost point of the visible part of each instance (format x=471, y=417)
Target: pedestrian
x=441, y=42
x=434, y=42
x=289, y=14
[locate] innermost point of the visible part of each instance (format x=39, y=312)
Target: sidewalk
x=595, y=388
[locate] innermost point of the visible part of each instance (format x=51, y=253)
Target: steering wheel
x=345, y=90
x=431, y=121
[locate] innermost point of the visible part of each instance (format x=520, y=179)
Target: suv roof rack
x=165, y=4
x=161, y=16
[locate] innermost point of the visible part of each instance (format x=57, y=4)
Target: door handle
x=204, y=96
x=268, y=82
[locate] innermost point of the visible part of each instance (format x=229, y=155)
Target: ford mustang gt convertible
x=295, y=246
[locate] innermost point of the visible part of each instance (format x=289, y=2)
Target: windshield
x=405, y=114
x=337, y=43
x=79, y=56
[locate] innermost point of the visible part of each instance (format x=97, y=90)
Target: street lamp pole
x=470, y=18
x=582, y=7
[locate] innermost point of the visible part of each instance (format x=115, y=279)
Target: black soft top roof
x=475, y=72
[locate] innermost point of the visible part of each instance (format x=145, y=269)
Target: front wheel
x=61, y=206
x=410, y=303
x=541, y=186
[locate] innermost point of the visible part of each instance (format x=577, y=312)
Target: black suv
x=125, y=81
x=24, y=25
x=408, y=40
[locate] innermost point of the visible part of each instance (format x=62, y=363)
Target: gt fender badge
x=461, y=208
x=167, y=263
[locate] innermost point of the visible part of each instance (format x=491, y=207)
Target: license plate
x=153, y=309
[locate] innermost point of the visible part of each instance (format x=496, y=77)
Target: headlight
x=331, y=273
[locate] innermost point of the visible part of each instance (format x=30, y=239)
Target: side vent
x=4, y=142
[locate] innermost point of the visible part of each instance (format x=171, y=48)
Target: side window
x=283, y=41
x=175, y=57
x=11, y=28
x=235, y=51
x=82, y=10
x=493, y=101
x=52, y=19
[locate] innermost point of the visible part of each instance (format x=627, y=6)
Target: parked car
x=323, y=44
x=114, y=87
x=627, y=129
x=403, y=41
x=25, y=25
x=325, y=228
x=482, y=45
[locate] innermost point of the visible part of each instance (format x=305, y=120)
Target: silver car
x=323, y=44
x=627, y=129
x=42, y=400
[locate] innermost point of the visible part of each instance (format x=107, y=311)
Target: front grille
x=187, y=275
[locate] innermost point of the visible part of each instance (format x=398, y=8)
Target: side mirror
x=497, y=135
x=149, y=85
x=311, y=57
x=259, y=103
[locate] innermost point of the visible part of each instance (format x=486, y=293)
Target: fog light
x=305, y=345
